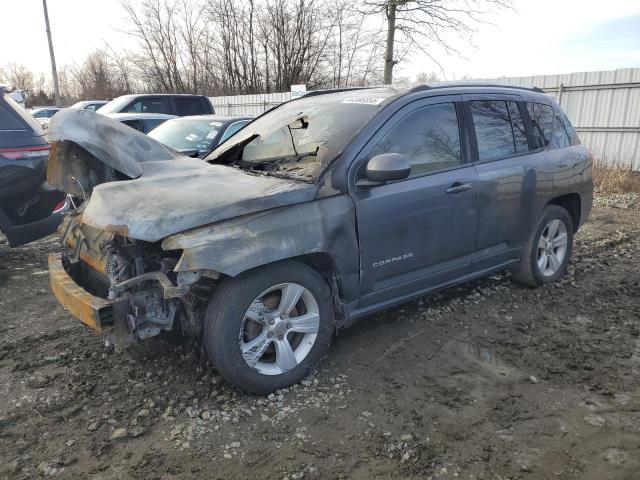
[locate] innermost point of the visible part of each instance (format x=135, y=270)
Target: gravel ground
x=490, y=380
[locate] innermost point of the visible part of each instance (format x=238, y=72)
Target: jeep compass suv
x=323, y=210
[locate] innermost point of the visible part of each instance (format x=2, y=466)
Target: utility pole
x=54, y=70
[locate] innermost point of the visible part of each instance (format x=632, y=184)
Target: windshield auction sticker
x=364, y=100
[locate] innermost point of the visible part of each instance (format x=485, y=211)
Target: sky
x=537, y=37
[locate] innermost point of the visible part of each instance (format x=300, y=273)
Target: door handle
x=459, y=188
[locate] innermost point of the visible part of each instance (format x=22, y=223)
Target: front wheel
x=546, y=255
x=267, y=328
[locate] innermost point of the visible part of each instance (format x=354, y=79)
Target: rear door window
x=494, y=133
x=149, y=105
x=429, y=137
x=189, y=106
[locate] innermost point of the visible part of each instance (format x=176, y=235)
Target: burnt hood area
x=137, y=187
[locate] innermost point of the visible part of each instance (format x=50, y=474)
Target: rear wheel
x=266, y=329
x=546, y=255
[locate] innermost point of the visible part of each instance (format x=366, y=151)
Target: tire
x=267, y=363
x=534, y=269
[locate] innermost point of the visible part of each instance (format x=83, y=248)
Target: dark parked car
x=29, y=208
x=196, y=136
x=143, y=122
x=321, y=211
x=171, y=104
x=89, y=104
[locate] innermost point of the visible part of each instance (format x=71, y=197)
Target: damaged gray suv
x=322, y=210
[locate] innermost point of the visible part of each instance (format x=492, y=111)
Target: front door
x=417, y=233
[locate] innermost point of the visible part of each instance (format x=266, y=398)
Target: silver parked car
x=197, y=135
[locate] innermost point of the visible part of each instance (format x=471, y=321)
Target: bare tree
x=155, y=25
x=19, y=77
x=426, y=23
x=98, y=77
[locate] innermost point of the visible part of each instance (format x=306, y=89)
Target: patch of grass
x=615, y=178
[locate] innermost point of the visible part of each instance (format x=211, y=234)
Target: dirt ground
x=487, y=381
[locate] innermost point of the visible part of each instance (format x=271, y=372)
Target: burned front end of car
x=126, y=289
x=152, y=233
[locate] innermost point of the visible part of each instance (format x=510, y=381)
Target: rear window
x=190, y=106
x=14, y=118
x=9, y=122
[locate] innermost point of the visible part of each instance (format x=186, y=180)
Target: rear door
x=417, y=233
x=511, y=176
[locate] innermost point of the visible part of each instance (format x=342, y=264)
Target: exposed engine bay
x=138, y=278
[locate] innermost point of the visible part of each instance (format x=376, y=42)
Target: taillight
x=25, y=153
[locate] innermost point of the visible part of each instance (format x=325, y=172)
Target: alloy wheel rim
x=552, y=247
x=279, y=329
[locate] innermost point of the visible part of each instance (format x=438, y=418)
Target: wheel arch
x=572, y=203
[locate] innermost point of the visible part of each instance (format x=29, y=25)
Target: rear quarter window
x=542, y=122
x=190, y=106
x=559, y=137
x=564, y=120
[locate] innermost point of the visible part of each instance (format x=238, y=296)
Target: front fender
x=234, y=246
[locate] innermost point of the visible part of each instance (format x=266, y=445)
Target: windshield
x=192, y=134
x=299, y=139
x=116, y=105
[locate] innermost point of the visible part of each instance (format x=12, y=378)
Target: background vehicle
x=26, y=201
x=18, y=96
x=89, y=104
x=44, y=112
x=143, y=122
x=43, y=115
x=197, y=135
x=170, y=104
x=323, y=210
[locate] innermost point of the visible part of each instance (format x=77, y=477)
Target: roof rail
x=314, y=93
x=430, y=86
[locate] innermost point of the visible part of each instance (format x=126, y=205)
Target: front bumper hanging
x=93, y=311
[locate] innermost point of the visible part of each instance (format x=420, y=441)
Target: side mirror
x=387, y=167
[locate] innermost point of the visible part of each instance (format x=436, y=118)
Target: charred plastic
x=148, y=296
